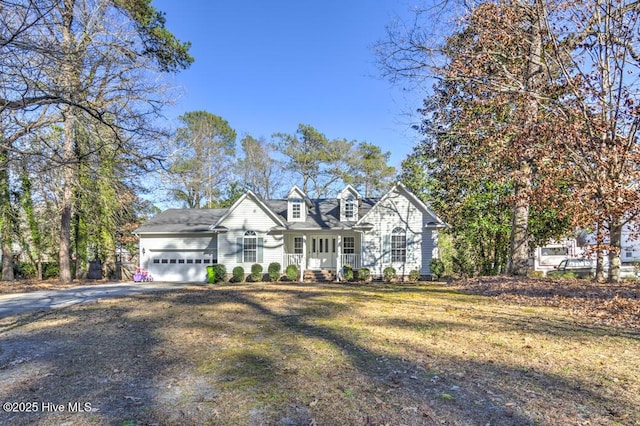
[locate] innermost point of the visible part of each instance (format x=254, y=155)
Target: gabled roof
x=438, y=223
x=259, y=201
x=181, y=221
x=349, y=190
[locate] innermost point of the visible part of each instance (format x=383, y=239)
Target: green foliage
x=292, y=272
x=50, y=270
x=437, y=269
x=220, y=272
x=364, y=274
x=414, y=275
x=348, y=272
x=464, y=260
x=204, y=148
x=158, y=41
x=389, y=274
x=370, y=170
x=256, y=272
x=24, y=270
x=274, y=271
x=238, y=274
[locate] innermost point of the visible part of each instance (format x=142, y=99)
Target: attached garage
x=179, y=245
x=187, y=265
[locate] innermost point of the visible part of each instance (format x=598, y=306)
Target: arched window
x=250, y=247
x=349, y=208
x=398, y=245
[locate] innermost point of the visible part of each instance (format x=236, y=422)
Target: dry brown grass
x=323, y=354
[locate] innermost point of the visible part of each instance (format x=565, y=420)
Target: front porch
x=317, y=252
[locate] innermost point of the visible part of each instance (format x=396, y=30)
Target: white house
x=395, y=230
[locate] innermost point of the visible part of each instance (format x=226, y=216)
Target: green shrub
x=238, y=274
x=274, y=271
x=414, y=275
x=24, y=270
x=348, y=272
x=364, y=274
x=292, y=272
x=211, y=274
x=437, y=269
x=256, y=272
x=50, y=270
x=220, y=272
x=389, y=274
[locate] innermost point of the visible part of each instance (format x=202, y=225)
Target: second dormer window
x=296, y=210
x=349, y=208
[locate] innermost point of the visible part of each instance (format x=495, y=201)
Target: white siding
x=398, y=211
x=249, y=216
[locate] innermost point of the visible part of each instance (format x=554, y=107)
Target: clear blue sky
x=267, y=66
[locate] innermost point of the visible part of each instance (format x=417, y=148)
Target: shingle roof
x=182, y=220
x=323, y=214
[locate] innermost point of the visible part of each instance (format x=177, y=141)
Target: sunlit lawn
x=330, y=354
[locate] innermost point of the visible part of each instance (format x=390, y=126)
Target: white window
x=296, y=210
x=398, y=245
x=250, y=247
x=297, y=245
x=349, y=208
x=349, y=245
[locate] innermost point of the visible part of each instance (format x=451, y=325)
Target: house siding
x=249, y=216
x=396, y=210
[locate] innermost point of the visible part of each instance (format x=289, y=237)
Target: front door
x=322, y=252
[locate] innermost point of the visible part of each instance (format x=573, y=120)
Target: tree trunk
x=615, y=240
x=519, y=248
x=6, y=219
x=599, y=254
x=69, y=74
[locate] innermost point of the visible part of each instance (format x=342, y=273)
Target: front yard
x=477, y=353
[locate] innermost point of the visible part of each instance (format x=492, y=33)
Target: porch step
x=323, y=276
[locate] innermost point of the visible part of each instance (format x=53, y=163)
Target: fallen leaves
x=601, y=303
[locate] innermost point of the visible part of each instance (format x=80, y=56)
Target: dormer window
x=296, y=205
x=350, y=208
x=348, y=200
x=296, y=209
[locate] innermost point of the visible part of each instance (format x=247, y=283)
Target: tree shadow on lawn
x=448, y=395
x=94, y=353
x=122, y=361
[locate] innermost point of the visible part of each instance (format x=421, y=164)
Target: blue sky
x=267, y=66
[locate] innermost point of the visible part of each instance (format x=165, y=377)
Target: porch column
x=339, y=259
x=303, y=262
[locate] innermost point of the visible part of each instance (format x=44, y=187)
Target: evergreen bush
x=292, y=272
x=274, y=271
x=256, y=272
x=238, y=274
x=389, y=274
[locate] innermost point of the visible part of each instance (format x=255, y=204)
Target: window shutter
x=240, y=250
x=386, y=249
x=260, y=250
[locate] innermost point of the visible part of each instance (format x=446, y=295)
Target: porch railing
x=296, y=259
x=292, y=259
x=351, y=259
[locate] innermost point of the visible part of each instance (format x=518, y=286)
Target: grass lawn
x=322, y=354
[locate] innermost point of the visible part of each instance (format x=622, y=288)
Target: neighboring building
x=395, y=230
x=549, y=257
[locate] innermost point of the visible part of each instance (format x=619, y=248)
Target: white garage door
x=188, y=266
